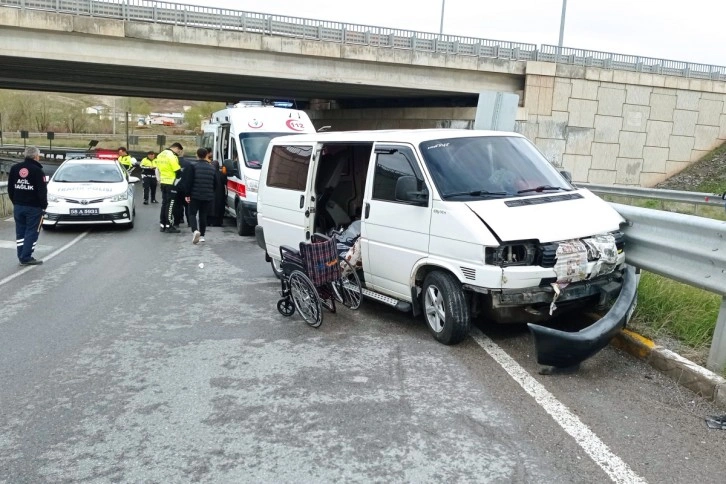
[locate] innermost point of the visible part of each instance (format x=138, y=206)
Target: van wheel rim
x=434, y=307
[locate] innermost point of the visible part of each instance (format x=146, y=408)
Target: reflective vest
x=168, y=164
x=126, y=161
x=148, y=167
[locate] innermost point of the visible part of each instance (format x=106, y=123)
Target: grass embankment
x=668, y=310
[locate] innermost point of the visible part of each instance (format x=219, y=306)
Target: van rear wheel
x=445, y=308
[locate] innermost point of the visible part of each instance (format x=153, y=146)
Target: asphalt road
x=124, y=360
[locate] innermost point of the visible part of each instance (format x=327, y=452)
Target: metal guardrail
x=696, y=198
x=684, y=248
x=304, y=28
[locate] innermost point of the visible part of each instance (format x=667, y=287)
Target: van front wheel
x=445, y=307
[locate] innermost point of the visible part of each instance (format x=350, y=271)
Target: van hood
x=548, y=218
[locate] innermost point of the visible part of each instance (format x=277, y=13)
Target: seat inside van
x=340, y=185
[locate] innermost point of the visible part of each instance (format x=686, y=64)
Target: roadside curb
x=701, y=381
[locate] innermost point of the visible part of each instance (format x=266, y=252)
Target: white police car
x=90, y=191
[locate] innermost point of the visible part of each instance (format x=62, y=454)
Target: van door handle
x=302, y=201
x=368, y=209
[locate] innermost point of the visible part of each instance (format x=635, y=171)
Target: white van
x=455, y=224
x=239, y=135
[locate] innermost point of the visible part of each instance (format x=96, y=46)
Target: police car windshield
x=88, y=173
x=477, y=167
x=254, y=146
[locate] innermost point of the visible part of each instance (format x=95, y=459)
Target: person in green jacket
x=169, y=171
x=125, y=159
x=148, y=177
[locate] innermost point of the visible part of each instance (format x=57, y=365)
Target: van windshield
x=254, y=146
x=480, y=167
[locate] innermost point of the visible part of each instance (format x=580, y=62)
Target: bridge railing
x=304, y=28
x=608, y=60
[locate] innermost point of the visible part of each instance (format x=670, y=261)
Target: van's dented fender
x=562, y=349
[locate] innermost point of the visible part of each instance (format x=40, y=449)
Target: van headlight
x=120, y=197
x=252, y=185
x=511, y=254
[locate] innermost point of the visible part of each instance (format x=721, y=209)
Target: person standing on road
x=216, y=209
x=182, y=207
x=169, y=170
x=29, y=194
x=148, y=177
x=126, y=160
x=199, y=182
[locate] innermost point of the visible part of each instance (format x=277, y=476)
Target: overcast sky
x=685, y=30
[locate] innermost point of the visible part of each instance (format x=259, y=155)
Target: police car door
x=286, y=206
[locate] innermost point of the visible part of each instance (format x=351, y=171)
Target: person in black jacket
x=29, y=194
x=199, y=181
x=215, y=217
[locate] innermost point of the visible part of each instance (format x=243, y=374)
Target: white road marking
x=45, y=259
x=7, y=244
x=598, y=451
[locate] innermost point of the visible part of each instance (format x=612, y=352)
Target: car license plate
x=84, y=211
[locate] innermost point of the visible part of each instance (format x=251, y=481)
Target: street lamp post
x=562, y=27
x=441, y=26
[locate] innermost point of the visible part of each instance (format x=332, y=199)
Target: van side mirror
x=407, y=191
x=230, y=167
x=567, y=175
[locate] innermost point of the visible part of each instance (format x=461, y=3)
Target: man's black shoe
x=154, y=201
x=162, y=229
x=145, y=202
x=172, y=230
x=31, y=262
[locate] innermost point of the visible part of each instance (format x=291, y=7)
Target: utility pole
x=441, y=26
x=114, y=116
x=562, y=27
x=127, y=130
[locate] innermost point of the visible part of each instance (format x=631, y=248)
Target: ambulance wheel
x=286, y=306
x=243, y=228
x=445, y=307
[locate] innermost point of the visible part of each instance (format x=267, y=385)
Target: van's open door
x=286, y=206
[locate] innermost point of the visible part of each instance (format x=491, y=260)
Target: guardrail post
x=90, y=7
x=717, y=354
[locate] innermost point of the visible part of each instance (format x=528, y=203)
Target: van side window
x=392, y=164
x=289, y=167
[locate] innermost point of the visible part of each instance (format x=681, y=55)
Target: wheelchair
x=316, y=277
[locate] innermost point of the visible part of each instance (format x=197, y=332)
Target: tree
x=196, y=114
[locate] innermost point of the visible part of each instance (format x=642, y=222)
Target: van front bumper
x=563, y=349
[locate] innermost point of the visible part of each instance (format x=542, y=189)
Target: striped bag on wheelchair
x=321, y=261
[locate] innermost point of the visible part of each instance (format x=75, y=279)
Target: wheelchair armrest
x=288, y=252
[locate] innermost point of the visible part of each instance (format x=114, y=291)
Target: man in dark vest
x=29, y=194
x=199, y=181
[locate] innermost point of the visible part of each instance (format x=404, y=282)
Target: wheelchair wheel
x=306, y=299
x=348, y=289
x=286, y=306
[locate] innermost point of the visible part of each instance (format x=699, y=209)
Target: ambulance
x=239, y=136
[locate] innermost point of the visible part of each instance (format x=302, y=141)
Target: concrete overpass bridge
x=607, y=118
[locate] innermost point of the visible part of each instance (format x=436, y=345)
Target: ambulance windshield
x=254, y=146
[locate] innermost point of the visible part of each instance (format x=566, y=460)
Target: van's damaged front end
x=542, y=280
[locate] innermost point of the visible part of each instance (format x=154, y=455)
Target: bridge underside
x=109, y=79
